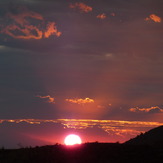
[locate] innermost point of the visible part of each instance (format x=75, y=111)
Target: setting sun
x=72, y=139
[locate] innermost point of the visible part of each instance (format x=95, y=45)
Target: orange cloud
x=120, y=132
x=154, y=109
x=101, y=16
x=80, y=101
x=154, y=17
x=22, y=26
x=24, y=33
x=81, y=6
x=51, y=29
x=86, y=123
x=21, y=18
x=123, y=129
x=48, y=97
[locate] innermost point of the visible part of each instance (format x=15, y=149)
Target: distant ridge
x=152, y=137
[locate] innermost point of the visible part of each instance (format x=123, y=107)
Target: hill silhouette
x=152, y=137
x=144, y=148
x=84, y=153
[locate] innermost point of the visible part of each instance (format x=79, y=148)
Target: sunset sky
x=82, y=61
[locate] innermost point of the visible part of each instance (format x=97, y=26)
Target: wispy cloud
x=21, y=17
x=112, y=14
x=121, y=132
x=25, y=33
x=81, y=6
x=153, y=109
x=101, y=16
x=29, y=25
x=112, y=127
x=48, y=97
x=154, y=18
x=80, y=101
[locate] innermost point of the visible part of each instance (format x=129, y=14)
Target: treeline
x=84, y=153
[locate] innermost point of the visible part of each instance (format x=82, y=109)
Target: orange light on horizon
x=121, y=129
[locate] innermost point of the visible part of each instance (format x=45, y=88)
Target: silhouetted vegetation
x=85, y=153
x=128, y=152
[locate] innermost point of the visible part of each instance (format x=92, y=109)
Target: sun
x=72, y=139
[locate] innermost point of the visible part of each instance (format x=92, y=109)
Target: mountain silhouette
x=152, y=137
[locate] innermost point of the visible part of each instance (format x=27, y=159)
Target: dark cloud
x=21, y=28
x=48, y=97
x=118, y=60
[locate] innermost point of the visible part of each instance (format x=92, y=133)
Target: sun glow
x=72, y=139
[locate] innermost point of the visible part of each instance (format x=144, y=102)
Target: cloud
x=21, y=17
x=80, y=101
x=104, y=106
x=121, y=132
x=81, y=6
x=25, y=33
x=29, y=25
x=154, y=17
x=112, y=14
x=51, y=29
x=48, y=97
x=153, y=109
x=111, y=127
x=101, y=16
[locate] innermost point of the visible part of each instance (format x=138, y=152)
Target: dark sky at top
x=81, y=59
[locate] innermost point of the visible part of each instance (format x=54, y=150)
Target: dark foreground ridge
x=153, y=137
x=130, y=152
x=85, y=153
